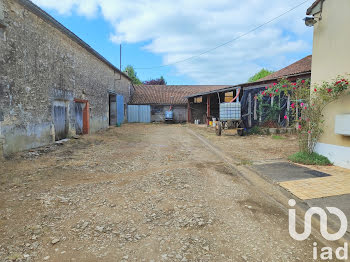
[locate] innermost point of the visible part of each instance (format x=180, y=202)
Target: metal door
x=120, y=109
x=133, y=114
x=112, y=110
x=145, y=114
x=79, y=123
x=60, y=120
x=139, y=113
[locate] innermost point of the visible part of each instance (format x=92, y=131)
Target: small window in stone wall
x=1, y=116
x=198, y=100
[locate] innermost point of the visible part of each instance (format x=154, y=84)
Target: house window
x=228, y=97
x=198, y=100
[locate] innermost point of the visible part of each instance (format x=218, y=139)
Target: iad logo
x=326, y=252
x=323, y=219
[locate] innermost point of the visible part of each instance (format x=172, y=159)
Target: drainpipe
x=208, y=109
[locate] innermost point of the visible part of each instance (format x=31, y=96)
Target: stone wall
x=40, y=64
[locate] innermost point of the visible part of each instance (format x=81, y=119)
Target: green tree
x=130, y=71
x=261, y=74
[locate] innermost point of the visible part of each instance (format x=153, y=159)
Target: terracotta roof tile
x=301, y=66
x=168, y=94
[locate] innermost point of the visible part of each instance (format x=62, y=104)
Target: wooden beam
x=189, y=115
x=208, y=109
x=250, y=110
x=288, y=109
x=255, y=109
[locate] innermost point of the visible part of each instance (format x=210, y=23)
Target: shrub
x=255, y=130
x=310, y=159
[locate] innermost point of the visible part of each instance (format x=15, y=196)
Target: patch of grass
x=245, y=162
x=278, y=137
x=310, y=159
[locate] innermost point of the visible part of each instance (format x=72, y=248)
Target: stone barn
x=53, y=85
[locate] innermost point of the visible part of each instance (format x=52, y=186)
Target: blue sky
x=154, y=34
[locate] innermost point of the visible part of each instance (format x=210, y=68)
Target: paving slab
x=319, y=187
x=342, y=202
x=285, y=171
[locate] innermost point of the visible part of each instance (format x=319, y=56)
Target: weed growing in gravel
x=245, y=162
x=278, y=137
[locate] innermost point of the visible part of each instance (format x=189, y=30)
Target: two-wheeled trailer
x=230, y=117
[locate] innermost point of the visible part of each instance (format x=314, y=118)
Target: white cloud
x=179, y=29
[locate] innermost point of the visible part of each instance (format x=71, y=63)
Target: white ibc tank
x=230, y=111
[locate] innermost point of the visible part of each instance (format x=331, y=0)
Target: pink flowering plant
x=312, y=113
x=296, y=90
x=306, y=105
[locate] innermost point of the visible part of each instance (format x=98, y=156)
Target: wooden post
x=249, y=109
x=189, y=120
x=288, y=110
x=297, y=114
x=255, y=108
x=279, y=106
x=260, y=112
x=208, y=109
x=86, y=118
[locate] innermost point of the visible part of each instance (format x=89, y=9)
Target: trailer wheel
x=240, y=131
x=218, y=129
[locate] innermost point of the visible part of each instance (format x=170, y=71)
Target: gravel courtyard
x=137, y=193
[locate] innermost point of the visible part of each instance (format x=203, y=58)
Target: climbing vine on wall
x=311, y=123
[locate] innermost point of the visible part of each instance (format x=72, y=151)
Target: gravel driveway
x=137, y=193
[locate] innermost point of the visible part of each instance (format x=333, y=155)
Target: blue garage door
x=120, y=109
x=139, y=113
